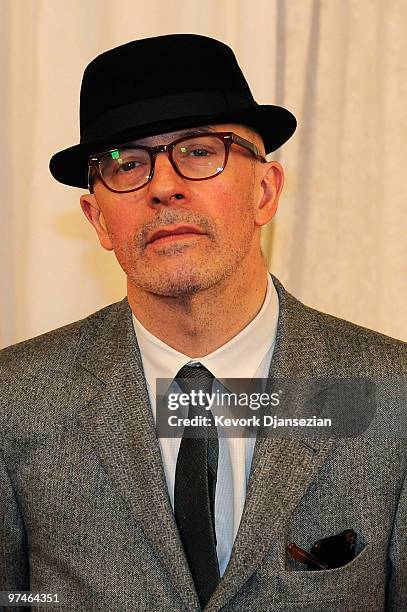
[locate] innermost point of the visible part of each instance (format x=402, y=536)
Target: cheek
x=121, y=214
x=121, y=225
x=232, y=206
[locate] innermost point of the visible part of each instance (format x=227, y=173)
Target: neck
x=198, y=324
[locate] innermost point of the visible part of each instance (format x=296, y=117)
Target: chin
x=182, y=282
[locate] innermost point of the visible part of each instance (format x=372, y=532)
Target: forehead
x=167, y=137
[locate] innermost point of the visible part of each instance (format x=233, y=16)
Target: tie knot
x=195, y=378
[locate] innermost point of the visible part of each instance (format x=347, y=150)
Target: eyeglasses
x=328, y=553
x=197, y=157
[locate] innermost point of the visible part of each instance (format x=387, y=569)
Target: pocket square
x=328, y=553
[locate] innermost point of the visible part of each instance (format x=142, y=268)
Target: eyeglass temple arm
x=90, y=186
x=92, y=164
x=250, y=146
x=301, y=555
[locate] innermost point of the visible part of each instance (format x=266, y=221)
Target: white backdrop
x=339, y=239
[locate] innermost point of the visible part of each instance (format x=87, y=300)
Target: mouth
x=173, y=233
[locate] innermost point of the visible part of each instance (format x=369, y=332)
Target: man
x=94, y=505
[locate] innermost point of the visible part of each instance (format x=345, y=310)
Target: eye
x=199, y=149
x=127, y=161
x=197, y=152
x=127, y=166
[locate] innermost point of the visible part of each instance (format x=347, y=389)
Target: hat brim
x=275, y=125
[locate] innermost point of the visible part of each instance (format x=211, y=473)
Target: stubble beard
x=187, y=271
x=182, y=269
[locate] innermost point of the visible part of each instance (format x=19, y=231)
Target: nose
x=166, y=186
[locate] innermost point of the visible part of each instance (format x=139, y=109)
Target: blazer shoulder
x=357, y=344
x=346, y=344
x=56, y=349
x=351, y=331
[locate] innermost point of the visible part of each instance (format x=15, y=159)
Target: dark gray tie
x=195, y=486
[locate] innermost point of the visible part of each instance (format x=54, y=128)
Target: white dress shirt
x=247, y=355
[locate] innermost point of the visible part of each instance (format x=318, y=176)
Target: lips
x=174, y=230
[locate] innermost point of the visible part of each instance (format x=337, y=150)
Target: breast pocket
x=357, y=586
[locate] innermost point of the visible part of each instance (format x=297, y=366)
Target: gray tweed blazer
x=84, y=507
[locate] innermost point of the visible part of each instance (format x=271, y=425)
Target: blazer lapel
x=282, y=468
x=119, y=422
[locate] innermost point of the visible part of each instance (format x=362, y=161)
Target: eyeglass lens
x=199, y=157
x=336, y=550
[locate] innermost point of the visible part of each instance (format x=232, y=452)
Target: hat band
x=155, y=110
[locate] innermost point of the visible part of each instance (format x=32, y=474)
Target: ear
x=95, y=216
x=271, y=187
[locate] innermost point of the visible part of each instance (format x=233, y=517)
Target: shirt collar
x=240, y=357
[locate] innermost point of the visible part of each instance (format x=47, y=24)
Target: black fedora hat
x=159, y=85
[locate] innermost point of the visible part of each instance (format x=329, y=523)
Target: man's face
x=175, y=236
